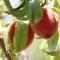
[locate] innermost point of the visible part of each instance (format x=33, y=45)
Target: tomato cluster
x=45, y=28
x=11, y=33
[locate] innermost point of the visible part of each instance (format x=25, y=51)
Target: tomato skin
x=47, y=26
x=30, y=36
x=11, y=32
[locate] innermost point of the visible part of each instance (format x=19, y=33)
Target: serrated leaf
x=20, y=37
x=52, y=43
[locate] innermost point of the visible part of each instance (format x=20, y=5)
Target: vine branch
x=7, y=54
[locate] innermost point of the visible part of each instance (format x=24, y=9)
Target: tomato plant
x=33, y=27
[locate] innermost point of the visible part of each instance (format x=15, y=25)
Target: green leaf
x=7, y=4
x=38, y=10
x=56, y=4
x=52, y=43
x=17, y=13
x=34, y=11
x=20, y=13
x=1, y=11
x=53, y=53
x=30, y=13
x=20, y=37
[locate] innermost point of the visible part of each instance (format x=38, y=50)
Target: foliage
x=31, y=11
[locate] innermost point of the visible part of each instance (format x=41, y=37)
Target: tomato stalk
x=45, y=3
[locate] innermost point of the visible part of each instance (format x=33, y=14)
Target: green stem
x=45, y=3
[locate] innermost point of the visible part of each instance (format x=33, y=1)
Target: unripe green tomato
x=47, y=26
x=11, y=32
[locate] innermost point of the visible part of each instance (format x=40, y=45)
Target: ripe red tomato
x=30, y=36
x=11, y=32
x=47, y=26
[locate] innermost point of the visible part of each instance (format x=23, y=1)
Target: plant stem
x=7, y=54
x=43, y=3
